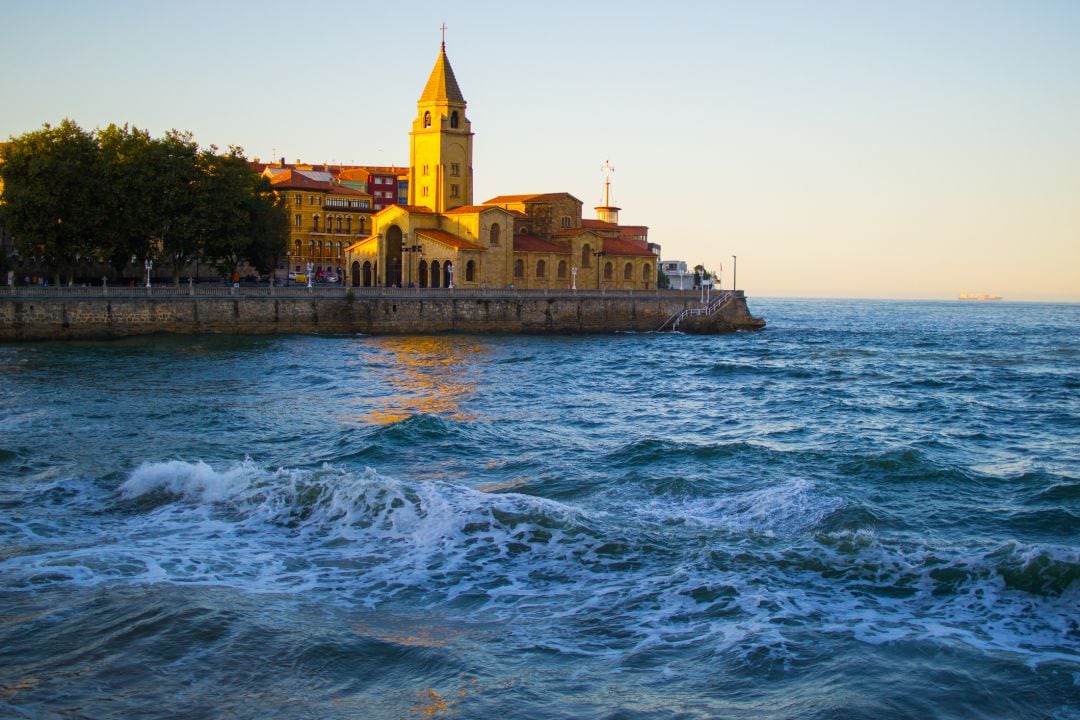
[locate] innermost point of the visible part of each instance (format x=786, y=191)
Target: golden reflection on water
x=424, y=374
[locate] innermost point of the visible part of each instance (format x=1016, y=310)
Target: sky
x=838, y=148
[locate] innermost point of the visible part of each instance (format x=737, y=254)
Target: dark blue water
x=869, y=510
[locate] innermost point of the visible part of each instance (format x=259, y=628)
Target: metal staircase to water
x=707, y=310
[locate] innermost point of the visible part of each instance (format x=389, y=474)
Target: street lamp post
x=599, y=254
x=149, y=264
x=411, y=249
x=573, y=278
x=310, y=267
x=449, y=276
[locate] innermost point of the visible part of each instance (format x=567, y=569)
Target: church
x=442, y=239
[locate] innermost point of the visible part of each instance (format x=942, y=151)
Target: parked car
x=330, y=278
x=298, y=277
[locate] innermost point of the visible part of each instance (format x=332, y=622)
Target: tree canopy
x=119, y=193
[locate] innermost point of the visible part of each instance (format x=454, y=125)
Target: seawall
x=63, y=317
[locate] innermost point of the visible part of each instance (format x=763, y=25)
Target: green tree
x=663, y=282
x=242, y=220
x=54, y=196
x=269, y=229
x=180, y=193
x=134, y=181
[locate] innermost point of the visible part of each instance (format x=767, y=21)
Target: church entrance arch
x=393, y=256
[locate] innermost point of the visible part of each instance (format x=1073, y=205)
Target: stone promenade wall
x=101, y=318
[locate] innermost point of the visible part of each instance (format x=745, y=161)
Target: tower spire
x=443, y=28
x=607, y=212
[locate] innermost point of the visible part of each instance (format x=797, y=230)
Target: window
x=646, y=272
x=586, y=254
x=454, y=191
x=454, y=119
x=427, y=119
x=628, y=272
x=541, y=268
x=494, y=241
x=315, y=223
x=565, y=222
x=455, y=169
x=348, y=226
x=607, y=271
x=310, y=199
x=298, y=199
x=470, y=271
x=424, y=191
x=519, y=268
x=297, y=220
x=424, y=171
x=562, y=269
x=339, y=225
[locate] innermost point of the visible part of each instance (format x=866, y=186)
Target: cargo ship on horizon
x=979, y=296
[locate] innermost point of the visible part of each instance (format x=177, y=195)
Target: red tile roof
x=469, y=209
x=409, y=208
x=618, y=246
x=532, y=243
x=571, y=232
x=531, y=197
x=447, y=239
x=586, y=222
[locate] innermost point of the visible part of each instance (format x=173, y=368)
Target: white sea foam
x=782, y=509
x=762, y=596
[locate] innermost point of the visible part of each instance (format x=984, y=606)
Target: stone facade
x=534, y=241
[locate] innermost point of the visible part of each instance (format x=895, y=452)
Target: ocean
x=867, y=510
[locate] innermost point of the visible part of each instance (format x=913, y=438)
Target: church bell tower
x=440, y=153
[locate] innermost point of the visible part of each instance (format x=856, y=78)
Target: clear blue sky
x=845, y=149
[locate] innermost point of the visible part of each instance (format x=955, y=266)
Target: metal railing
x=206, y=290
x=706, y=310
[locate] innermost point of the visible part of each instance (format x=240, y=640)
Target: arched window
x=494, y=234
x=436, y=274
x=470, y=271
x=561, y=269
x=454, y=119
x=541, y=268
x=314, y=223
x=339, y=223
x=297, y=253
x=421, y=274
x=646, y=272
x=607, y=271
x=586, y=255
x=519, y=268
x=311, y=248
x=628, y=272
x=348, y=225
x=427, y=119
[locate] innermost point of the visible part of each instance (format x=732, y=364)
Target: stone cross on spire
x=443, y=28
